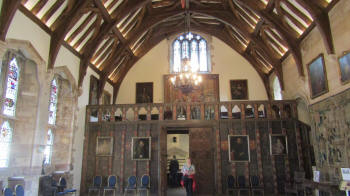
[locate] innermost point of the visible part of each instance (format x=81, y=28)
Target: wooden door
x=202, y=155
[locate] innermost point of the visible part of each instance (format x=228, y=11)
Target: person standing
x=174, y=168
x=188, y=171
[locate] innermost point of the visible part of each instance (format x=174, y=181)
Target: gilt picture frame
x=344, y=67
x=239, y=89
x=318, y=83
x=278, y=144
x=104, y=146
x=141, y=148
x=239, y=149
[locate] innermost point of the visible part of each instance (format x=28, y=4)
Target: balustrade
x=193, y=111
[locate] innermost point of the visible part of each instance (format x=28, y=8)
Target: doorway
x=199, y=145
x=177, y=152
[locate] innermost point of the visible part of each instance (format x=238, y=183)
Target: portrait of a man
x=141, y=148
x=239, y=148
x=144, y=92
x=104, y=146
x=317, y=77
x=278, y=145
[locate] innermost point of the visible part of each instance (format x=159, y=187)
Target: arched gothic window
x=48, y=147
x=191, y=46
x=277, y=92
x=10, y=99
x=5, y=142
x=53, y=102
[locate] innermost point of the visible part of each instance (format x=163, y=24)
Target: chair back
x=145, y=181
x=8, y=192
x=97, y=181
x=63, y=182
x=231, y=181
x=132, y=182
x=241, y=181
x=112, y=181
x=19, y=190
x=254, y=181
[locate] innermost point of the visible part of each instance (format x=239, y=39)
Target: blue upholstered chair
x=145, y=184
x=62, y=185
x=7, y=192
x=242, y=187
x=255, y=185
x=96, y=185
x=19, y=190
x=112, y=182
x=131, y=185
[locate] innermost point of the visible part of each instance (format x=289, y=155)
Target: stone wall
x=331, y=135
x=30, y=123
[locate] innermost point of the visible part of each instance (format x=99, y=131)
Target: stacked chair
x=145, y=184
x=256, y=188
x=7, y=192
x=62, y=188
x=96, y=185
x=19, y=191
x=243, y=189
x=131, y=185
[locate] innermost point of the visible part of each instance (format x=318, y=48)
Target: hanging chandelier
x=187, y=79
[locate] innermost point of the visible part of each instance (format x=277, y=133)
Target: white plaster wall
x=23, y=28
x=78, y=142
x=225, y=62
x=312, y=46
x=66, y=58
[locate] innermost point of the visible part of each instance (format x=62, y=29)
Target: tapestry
x=207, y=90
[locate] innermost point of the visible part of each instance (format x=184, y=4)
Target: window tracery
x=53, y=102
x=10, y=99
x=5, y=142
x=48, y=147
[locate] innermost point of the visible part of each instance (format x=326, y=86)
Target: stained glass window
x=11, y=88
x=48, y=147
x=53, y=102
x=193, y=47
x=5, y=142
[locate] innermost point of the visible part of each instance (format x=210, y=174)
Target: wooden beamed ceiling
x=112, y=35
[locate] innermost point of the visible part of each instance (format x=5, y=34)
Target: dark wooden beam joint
x=8, y=10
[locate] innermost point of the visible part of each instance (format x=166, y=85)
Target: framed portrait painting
x=104, y=146
x=344, y=66
x=239, y=148
x=317, y=77
x=141, y=148
x=239, y=89
x=278, y=145
x=144, y=92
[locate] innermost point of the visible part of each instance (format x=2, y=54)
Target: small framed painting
x=144, y=92
x=344, y=67
x=239, y=148
x=141, y=148
x=104, y=146
x=278, y=145
x=317, y=77
x=239, y=89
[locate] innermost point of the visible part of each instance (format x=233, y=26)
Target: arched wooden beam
x=62, y=26
x=292, y=42
x=8, y=10
x=219, y=33
x=105, y=29
x=322, y=22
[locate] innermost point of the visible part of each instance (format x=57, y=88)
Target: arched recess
x=63, y=129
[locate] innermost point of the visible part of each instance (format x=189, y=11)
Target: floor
x=176, y=191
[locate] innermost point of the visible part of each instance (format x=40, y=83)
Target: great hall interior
x=107, y=97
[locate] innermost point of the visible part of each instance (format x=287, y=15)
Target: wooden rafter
x=8, y=10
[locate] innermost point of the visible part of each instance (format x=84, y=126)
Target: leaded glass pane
x=177, y=56
x=194, y=56
x=11, y=88
x=203, y=59
x=5, y=141
x=185, y=49
x=53, y=102
x=48, y=147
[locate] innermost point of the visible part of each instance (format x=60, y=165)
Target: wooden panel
x=202, y=154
